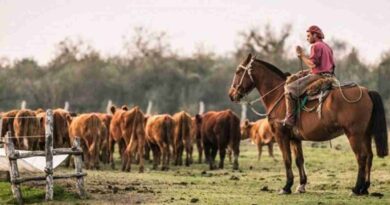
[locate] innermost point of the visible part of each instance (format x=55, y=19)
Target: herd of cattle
x=136, y=134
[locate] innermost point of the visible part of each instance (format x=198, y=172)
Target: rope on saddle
x=343, y=95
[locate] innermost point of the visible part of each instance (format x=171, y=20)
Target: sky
x=32, y=28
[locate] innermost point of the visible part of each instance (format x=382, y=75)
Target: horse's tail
x=378, y=126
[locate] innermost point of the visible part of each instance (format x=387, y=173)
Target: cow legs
x=180, y=155
x=121, y=146
x=229, y=153
x=147, y=152
x=296, y=146
x=259, y=150
x=85, y=156
x=271, y=149
x=111, y=146
x=236, y=152
x=214, y=150
x=165, y=157
x=207, y=151
x=156, y=155
x=222, y=153
x=129, y=153
x=141, y=149
x=200, y=150
x=188, y=155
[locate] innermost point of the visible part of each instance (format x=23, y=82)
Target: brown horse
x=359, y=121
x=218, y=131
x=260, y=134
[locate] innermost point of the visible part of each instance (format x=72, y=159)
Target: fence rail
x=13, y=155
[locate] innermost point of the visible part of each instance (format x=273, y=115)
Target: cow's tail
x=94, y=130
x=185, y=128
x=167, y=130
x=378, y=127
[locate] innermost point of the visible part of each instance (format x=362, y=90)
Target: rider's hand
x=299, y=51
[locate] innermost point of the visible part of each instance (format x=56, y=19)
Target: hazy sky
x=31, y=28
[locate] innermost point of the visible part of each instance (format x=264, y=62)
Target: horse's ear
x=247, y=60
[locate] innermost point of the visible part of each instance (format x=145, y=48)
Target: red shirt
x=322, y=57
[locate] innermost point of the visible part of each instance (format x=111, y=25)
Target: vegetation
x=150, y=70
x=331, y=175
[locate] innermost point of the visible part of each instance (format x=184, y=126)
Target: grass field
x=331, y=175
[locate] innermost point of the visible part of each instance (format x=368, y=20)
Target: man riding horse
x=320, y=63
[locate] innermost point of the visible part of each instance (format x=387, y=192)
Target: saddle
x=319, y=90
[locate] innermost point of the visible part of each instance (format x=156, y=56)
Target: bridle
x=248, y=69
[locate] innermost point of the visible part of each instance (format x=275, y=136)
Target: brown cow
x=27, y=130
x=159, y=131
x=104, y=154
x=218, y=130
x=182, y=138
x=128, y=126
x=260, y=134
x=90, y=129
x=197, y=140
x=61, y=123
x=8, y=124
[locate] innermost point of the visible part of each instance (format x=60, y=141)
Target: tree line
x=150, y=70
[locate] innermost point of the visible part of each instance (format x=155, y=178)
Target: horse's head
x=243, y=82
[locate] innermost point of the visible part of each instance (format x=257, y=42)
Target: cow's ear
x=69, y=119
x=246, y=123
x=73, y=114
x=124, y=107
x=146, y=118
x=113, y=109
x=41, y=120
x=198, y=118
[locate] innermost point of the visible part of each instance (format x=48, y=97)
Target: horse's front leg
x=284, y=145
x=296, y=147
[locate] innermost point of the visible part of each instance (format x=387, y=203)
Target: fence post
x=14, y=172
x=78, y=168
x=49, y=154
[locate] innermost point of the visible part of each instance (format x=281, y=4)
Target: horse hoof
x=352, y=194
x=284, y=192
x=301, y=189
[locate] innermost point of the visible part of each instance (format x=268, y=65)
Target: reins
x=248, y=68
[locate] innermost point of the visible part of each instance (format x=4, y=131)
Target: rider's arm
x=308, y=62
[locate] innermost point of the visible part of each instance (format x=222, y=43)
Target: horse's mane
x=274, y=69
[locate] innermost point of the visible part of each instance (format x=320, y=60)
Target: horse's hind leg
x=362, y=149
x=368, y=164
x=296, y=147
